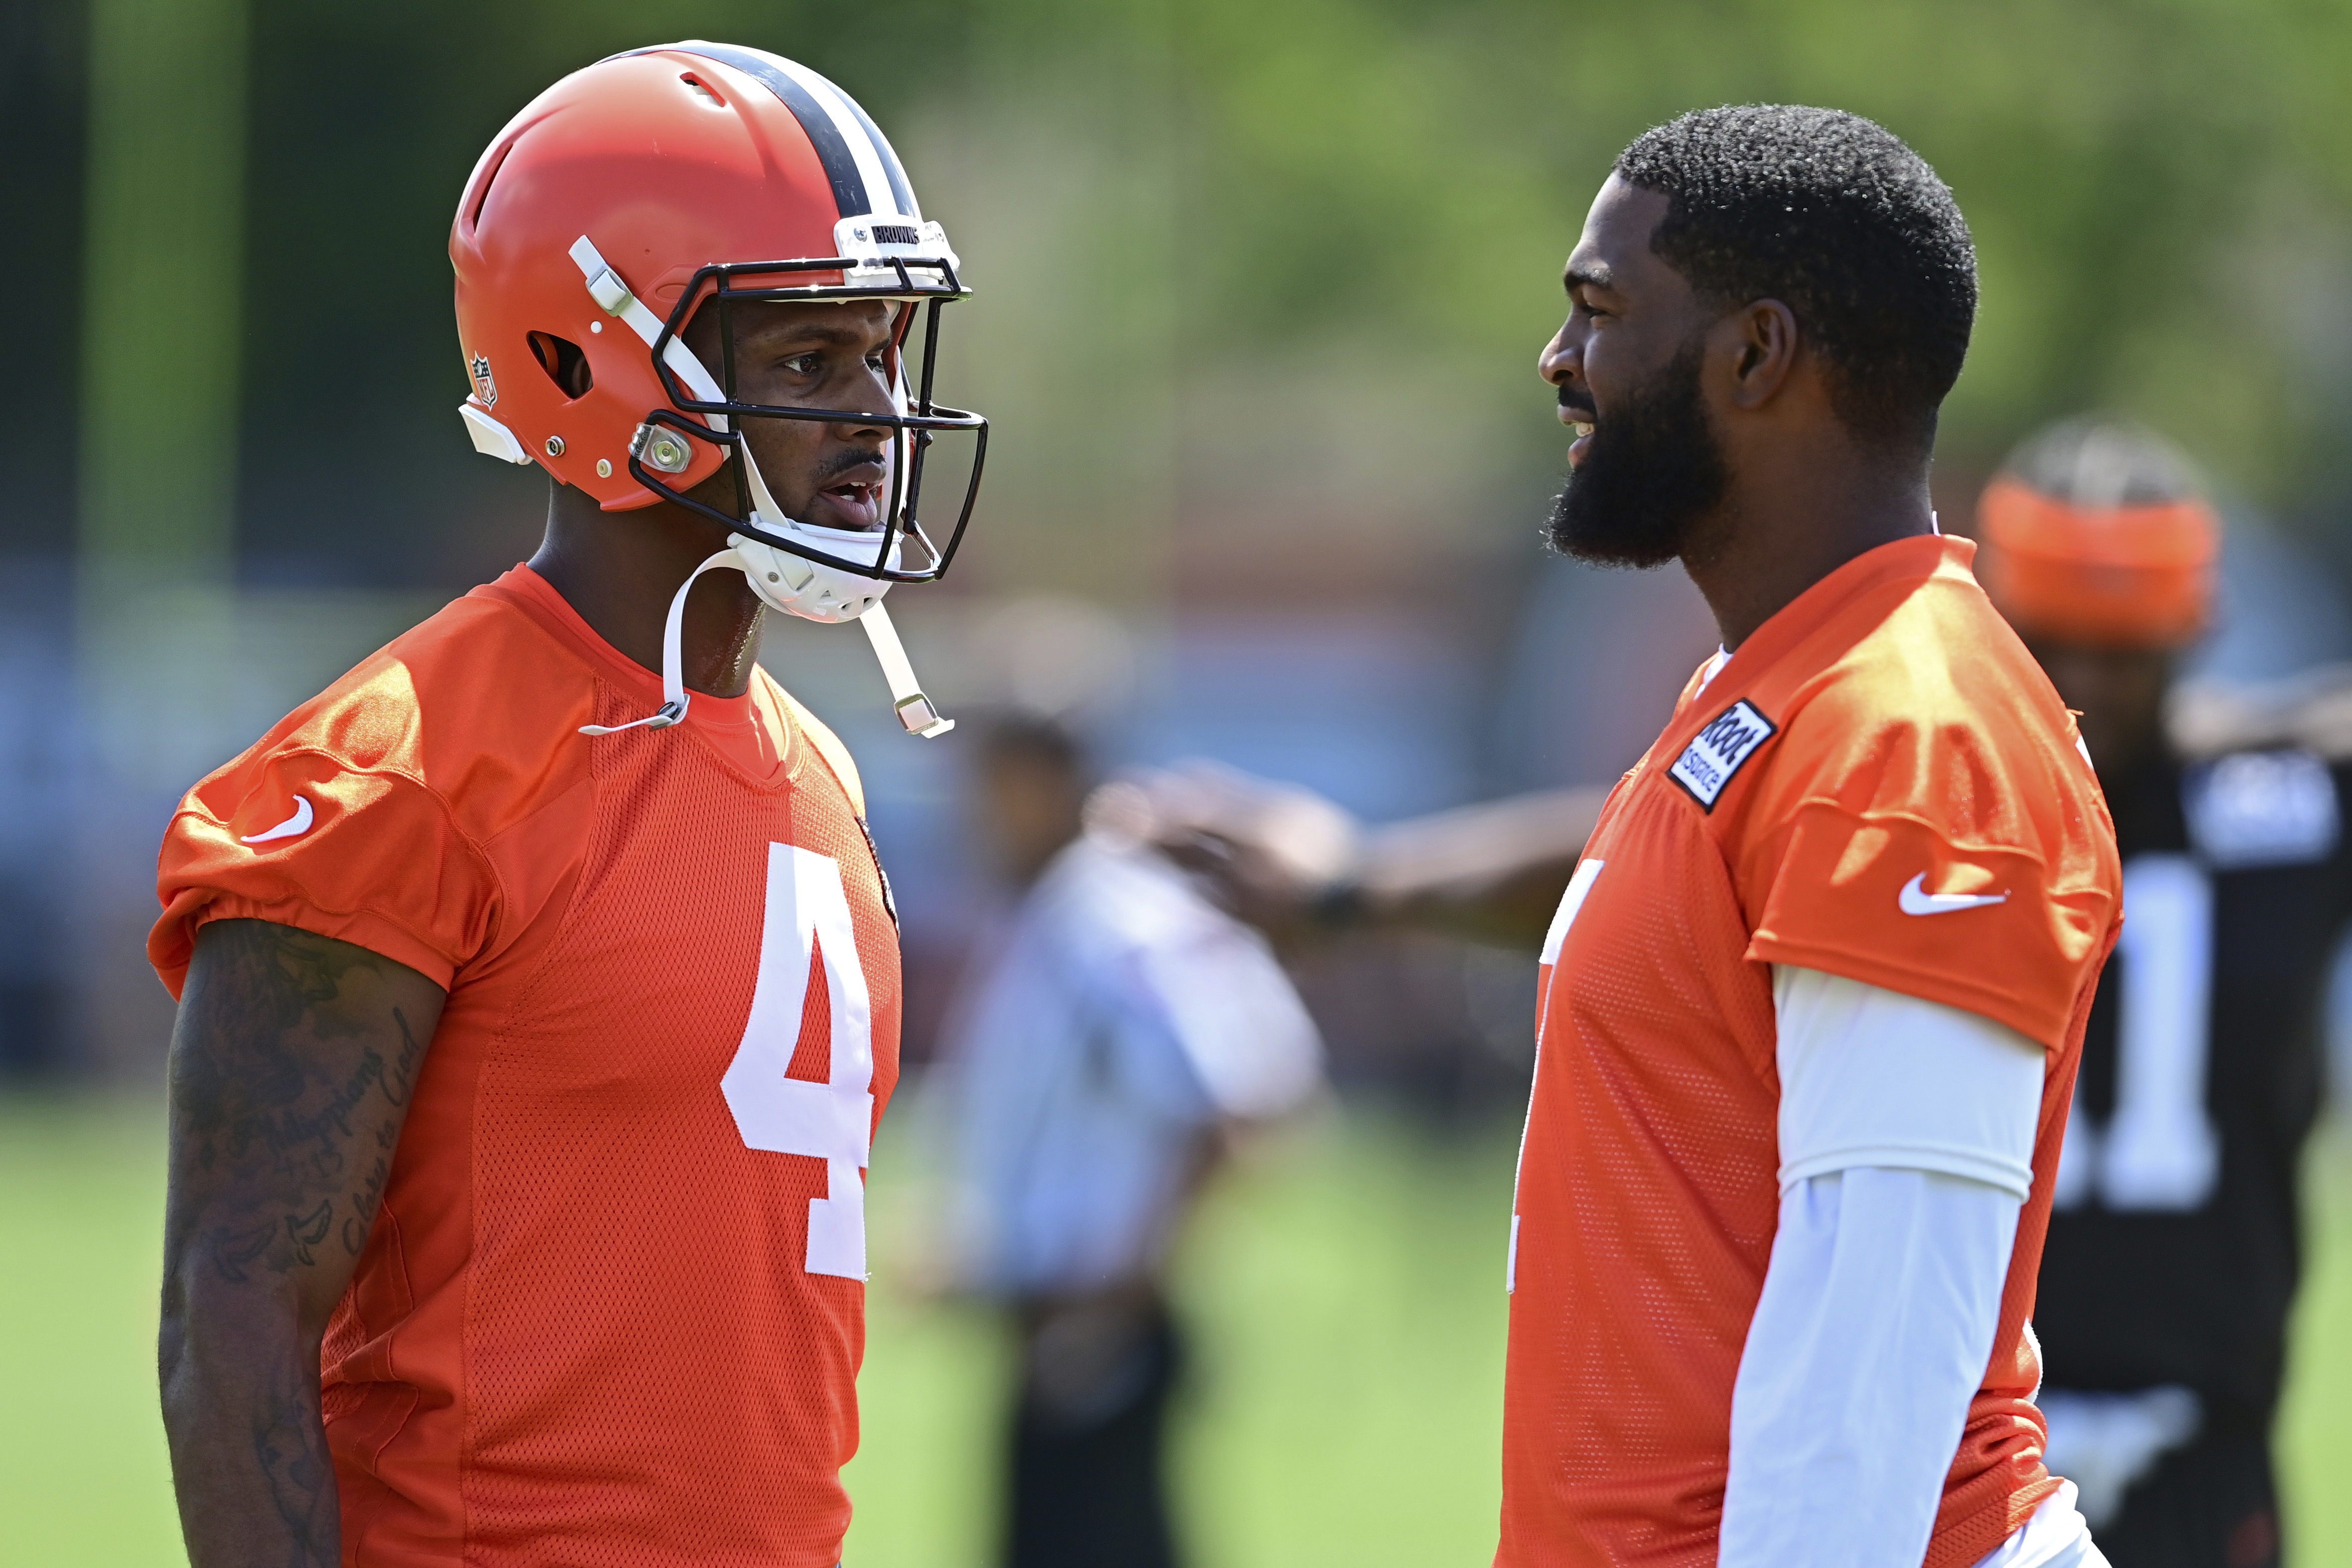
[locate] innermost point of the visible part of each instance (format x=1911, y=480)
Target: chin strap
x=674, y=692
x=914, y=709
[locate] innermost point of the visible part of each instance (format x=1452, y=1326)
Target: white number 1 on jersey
x=2159, y=1151
x=808, y=915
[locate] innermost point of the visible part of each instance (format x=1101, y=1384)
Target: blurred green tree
x=1284, y=264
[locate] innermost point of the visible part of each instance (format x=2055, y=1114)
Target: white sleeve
x=1906, y=1138
x=1871, y=1076
x=1872, y=1336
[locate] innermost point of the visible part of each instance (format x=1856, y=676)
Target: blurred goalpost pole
x=161, y=304
x=162, y=341
x=161, y=344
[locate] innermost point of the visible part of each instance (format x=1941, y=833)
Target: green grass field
x=1346, y=1289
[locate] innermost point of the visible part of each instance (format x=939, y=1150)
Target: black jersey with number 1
x=2173, y=1252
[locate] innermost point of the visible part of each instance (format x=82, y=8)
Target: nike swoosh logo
x=293, y=826
x=1916, y=901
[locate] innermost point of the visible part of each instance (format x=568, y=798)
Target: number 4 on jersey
x=808, y=916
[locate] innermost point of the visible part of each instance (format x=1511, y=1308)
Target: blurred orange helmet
x=642, y=187
x=2094, y=531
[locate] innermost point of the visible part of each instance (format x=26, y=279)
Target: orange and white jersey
x=1880, y=784
x=612, y=1305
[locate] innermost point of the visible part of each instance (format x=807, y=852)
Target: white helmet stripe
x=900, y=184
x=887, y=156
x=881, y=188
x=867, y=177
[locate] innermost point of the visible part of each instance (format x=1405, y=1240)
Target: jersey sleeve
x=1941, y=859
x=300, y=839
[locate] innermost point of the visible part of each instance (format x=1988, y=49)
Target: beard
x=1649, y=476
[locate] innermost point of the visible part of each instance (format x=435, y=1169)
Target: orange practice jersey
x=1883, y=738
x=612, y=1307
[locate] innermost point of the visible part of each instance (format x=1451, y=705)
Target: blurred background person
x=2175, y=1249
x=1111, y=1038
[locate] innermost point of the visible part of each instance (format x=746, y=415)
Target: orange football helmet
x=641, y=189
x=2094, y=532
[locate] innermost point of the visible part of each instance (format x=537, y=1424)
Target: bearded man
x=1816, y=993
x=1812, y=1007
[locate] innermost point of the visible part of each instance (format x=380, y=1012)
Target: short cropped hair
x=2098, y=461
x=1834, y=217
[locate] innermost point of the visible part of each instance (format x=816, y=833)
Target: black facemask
x=1651, y=472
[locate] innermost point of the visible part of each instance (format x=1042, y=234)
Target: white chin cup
x=799, y=586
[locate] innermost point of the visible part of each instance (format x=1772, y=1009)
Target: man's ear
x=1762, y=341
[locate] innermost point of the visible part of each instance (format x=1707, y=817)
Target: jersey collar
x=534, y=594
x=1905, y=562
x=1903, y=565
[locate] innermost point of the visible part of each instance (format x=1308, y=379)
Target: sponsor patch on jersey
x=2262, y=809
x=1716, y=751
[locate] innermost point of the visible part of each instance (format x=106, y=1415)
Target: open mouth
x=1582, y=418
x=860, y=505
x=1584, y=442
x=853, y=501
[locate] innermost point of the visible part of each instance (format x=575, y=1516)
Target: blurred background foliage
x=1278, y=265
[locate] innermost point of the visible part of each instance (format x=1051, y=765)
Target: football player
x=1812, y=1007
x=1815, y=996
x=539, y=985
x=2173, y=1253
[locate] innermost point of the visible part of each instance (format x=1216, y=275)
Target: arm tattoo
x=290, y=1097
x=293, y=1065
x=289, y=1448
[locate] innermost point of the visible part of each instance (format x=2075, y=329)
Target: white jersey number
x=1570, y=902
x=2159, y=1151
x=808, y=916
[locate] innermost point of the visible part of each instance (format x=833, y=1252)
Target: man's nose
x=1559, y=362
x=872, y=397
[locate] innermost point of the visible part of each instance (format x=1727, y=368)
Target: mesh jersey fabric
x=1889, y=728
x=581, y=1330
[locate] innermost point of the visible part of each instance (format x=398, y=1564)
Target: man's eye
x=802, y=364
x=876, y=361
